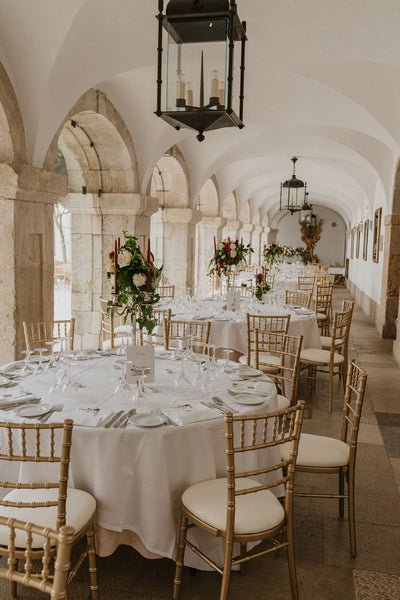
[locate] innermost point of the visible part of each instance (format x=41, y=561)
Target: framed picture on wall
x=352, y=243
x=377, y=233
x=365, y=248
x=358, y=241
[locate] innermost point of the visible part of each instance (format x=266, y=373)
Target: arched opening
x=206, y=230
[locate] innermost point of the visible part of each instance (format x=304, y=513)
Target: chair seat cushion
x=316, y=355
x=263, y=357
x=79, y=509
x=259, y=511
x=326, y=342
x=321, y=317
x=318, y=451
x=123, y=330
x=282, y=402
x=106, y=344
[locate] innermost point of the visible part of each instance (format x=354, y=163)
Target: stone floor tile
x=395, y=462
x=375, y=586
x=369, y=434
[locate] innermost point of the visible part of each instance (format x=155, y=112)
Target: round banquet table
x=137, y=474
x=228, y=328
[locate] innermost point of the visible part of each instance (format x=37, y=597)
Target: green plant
x=228, y=254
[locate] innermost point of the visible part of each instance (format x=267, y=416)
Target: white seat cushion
x=316, y=355
x=326, y=342
x=282, y=402
x=80, y=508
x=106, y=345
x=319, y=451
x=123, y=330
x=254, y=512
x=321, y=317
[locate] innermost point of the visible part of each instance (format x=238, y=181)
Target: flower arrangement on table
x=274, y=252
x=228, y=254
x=135, y=281
x=261, y=288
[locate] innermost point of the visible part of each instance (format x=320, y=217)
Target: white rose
x=124, y=259
x=233, y=253
x=139, y=279
x=110, y=267
x=220, y=245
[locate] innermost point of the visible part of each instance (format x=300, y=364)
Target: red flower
x=221, y=266
x=111, y=256
x=227, y=247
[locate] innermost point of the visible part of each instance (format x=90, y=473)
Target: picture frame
x=365, y=246
x=377, y=233
x=358, y=233
x=352, y=243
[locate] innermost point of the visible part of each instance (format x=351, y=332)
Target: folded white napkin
x=16, y=399
x=10, y=366
x=180, y=416
x=85, y=418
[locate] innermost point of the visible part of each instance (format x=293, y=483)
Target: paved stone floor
x=325, y=568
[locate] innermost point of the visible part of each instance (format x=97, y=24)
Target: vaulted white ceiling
x=322, y=83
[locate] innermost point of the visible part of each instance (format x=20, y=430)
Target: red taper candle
x=148, y=272
x=115, y=267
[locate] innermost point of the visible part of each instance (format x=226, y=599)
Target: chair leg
x=13, y=589
x=351, y=508
x=330, y=390
x=341, y=492
x=227, y=570
x=179, y=558
x=292, y=565
x=243, y=566
x=94, y=588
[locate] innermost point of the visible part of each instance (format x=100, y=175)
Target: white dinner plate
x=148, y=420
x=4, y=381
x=249, y=398
x=248, y=372
x=31, y=410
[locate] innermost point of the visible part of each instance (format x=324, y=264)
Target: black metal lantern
x=199, y=65
x=293, y=192
x=307, y=217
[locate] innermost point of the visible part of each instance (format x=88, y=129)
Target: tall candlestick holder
x=129, y=308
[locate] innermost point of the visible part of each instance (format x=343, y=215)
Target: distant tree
x=59, y=210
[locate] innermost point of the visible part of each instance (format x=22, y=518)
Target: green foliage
x=228, y=254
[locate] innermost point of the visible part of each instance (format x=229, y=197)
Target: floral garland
x=273, y=252
x=227, y=254
x=136, y=279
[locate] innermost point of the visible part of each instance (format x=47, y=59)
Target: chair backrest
x=270, y=279
x=253, y=433
x=37, y=443
x=279, y=324
x=179, y=330
x=288, y=348
x=245, y=291
x=300, y=298
x=166, y=291
x=323, y=298
x=52, y=578
x=305, y=283
x=348, y=305
x=157, y=335
x=107, y=323
x=353, y=403
x=39, y=332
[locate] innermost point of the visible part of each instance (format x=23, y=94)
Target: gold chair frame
x=300, y=298
x=157, y=339
x=257, y=432
x=57, y=548
x=278, y=324
x=305, y=283
x=353, y=403
x=38, y=333
x=245, y=291
x=166, y=291
x=178, y=330
x=21, y=437
x=323, y=306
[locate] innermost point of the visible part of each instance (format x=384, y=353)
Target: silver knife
x=122, y=421
x=109, y=421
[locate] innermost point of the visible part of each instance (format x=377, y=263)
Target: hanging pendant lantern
x=293, y=192
x=199, y=65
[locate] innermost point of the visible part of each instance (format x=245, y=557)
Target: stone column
x=27, y=199
x=231, y=229
x=256, y=245
x=389, y=305
x=96, y=221
x=207, y=229
x=178, y=242
x=245, y=234
x=272, y=235
x=264, y=240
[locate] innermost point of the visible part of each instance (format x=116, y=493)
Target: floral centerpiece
x=227, y=254
x=275, y=252
x=262, y=288
x=135, y=282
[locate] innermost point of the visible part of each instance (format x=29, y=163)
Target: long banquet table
x=137, y=474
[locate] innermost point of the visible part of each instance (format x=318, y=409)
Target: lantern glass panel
x=182, y=65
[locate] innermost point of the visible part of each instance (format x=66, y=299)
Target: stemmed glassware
x=81, y=354
x=53, y=359
x=140, y=394
x=227, y=368
x=123, y=387
x=28, y=368
x=39, y=367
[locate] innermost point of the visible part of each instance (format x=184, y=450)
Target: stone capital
x=257, y=229
x=247, y=227
x=111, y=204
x=213, y=222
x=187, y=216
x=31, y=184
x=233, y=224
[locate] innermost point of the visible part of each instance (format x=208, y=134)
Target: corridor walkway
x=325, y=568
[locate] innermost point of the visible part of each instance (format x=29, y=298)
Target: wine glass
x=52, y=364
x=227, y=368
x=81, y=354
x=28, y=368
x=39, y=367
x=140, y=394
x=123, y=387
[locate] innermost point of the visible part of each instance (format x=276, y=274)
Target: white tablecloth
x=138, y=474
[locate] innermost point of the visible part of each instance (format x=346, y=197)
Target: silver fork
x=56, y=408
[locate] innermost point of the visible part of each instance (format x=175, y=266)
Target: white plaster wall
x=331, y=247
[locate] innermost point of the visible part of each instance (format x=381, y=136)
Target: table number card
x=232, y=300
x=140, y=356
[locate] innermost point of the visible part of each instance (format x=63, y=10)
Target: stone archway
x=229, y=212
x=102, y=198
x=175, y=220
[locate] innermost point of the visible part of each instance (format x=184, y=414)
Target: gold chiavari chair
x=327, y=455
x=113, y=328
x=278, y=324
x=305, y=284
x=270, y=279
x=39, y=332
x=323, y=307
x=245, y=291
x=287, y=348
x=52, y=579
x=166, y=291
x=49, y=504
x=239, y=508
x=298, y=298
x=156, y=337
x=181, y=330
x=332, y=360
x=326, y=342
